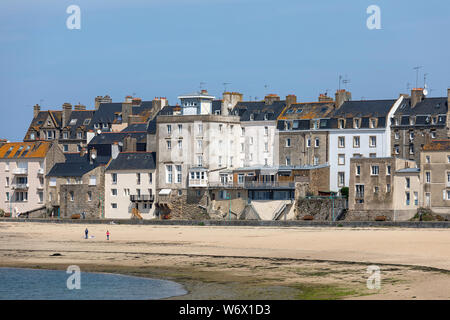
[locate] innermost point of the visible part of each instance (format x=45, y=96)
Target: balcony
x=20, y=171
x=19, y=186
x=142, y=198
x=359, y=195
x=198, y=183
x=226, y=185
x=269, y=185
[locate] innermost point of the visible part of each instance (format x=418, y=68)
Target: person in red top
x=107, y=235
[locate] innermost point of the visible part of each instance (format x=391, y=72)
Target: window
x=89, y=196
x=180, y=144
x=308, y=142
x=7, y=196
x=316, y=161
x=266, y=131
x=372, y=141
x=71, y=196
x=21, y=196
x=179, y=174
x=65, y=135
x=407, y=198
x=375, y=170
x=199, y=145
x=288, y=142
x=427, y=159
x=200, y=128
x=266, y=147
x=433, y=134
x=427, y=177
x=251, y=156
x=373, y=123
x=408, y=183
x=388, y=187
x=7, y=165
x=359, y=188
x=448, y=159
x=180, y=129
x=80, y=135
x=376, y=189
x=240, y=178
x=114, y=192
x=52, y=182
x=397, y=149
x=114, y=205
x=150, y=178
x=341, y=142
x=316, y=142
x=288, y=161
x=220, y=161
x=242, y=131
x=266, y=161
x=138, y=178
x=32, y=136
x=372, y=155
x=126, y=192
x=356, y=142
x=169, y=129
x=169, y=144
x=169, y=175
x=411, y=135
x=341, y=179
x=66, y=148
x=341, y=159
x=396, y=135
x=416, y=199
x=199, y=161
x=411, y=149
x=341, y=123
x=93, y=180
x=7, y=181
x=388, y=170
x=114, y=178
x=358, y=170
x=356, y=123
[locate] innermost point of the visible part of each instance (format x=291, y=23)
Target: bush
x=344, y=192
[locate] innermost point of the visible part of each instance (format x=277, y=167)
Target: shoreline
x=209, y=261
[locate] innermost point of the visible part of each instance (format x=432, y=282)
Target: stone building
x=383, y=186
x=77, y=186
x=435, y=175
x=419, y=120
x=23, y=166
x=130, y=186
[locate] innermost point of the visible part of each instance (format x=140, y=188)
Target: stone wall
x=371, y=215
x=191, y=204
x=319, y=208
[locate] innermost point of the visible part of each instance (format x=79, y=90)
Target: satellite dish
x=99, y=131
x=425, y=92
x=93, y=156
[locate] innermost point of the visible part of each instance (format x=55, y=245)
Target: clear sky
x=167, y=47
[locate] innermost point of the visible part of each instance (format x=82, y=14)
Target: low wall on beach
x=247, y=223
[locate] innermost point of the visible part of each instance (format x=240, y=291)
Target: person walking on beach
x=107, y=234
x=86, y=233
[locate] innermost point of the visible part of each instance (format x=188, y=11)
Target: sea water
x=33, y=284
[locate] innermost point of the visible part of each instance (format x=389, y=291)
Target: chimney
x=92, y=156
x=341, y=97
x=80, y=107
x=66, y=112
x=128, y=99
x=158, y=104
x=270, y=98
x=136, y=102
x=229, y=101
x=291, y=99
x=129, y=144
x=36, y=110
x=100, y=99
x=83, y=152
x=204, y=91
x=127, y=110
x=416, y=96
x=323, y=97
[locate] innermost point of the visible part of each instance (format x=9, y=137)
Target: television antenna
x=417, y=74
x=340, y=80
x=225, y=86
x=408, y=86
x=345, y=82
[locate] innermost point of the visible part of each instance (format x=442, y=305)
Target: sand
x=246, y=262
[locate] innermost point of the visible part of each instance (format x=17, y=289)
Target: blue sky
x=167, y=47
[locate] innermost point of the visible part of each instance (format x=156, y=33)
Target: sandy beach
x=245, y=262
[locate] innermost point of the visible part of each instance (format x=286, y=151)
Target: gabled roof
x=40, y=120
x=79, y=119
x=258, y=110
x=437, y=145
x=133, y=161
x=24, y=150
x=106, y=113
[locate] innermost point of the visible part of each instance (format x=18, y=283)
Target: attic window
x=73, y=122
x=252, y=116
x=299, y=111
x=441, y=118
x=86, y=121
x=341, y=123
x=356, y=123
x=266, y=116
x=290, y=111
x=411, y=121
x=373, y=123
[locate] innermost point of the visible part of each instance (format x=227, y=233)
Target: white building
x=358, y=129
x=130, y=182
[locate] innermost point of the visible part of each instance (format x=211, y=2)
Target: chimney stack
x=36, y=110
x=136, y=102
x=80, y=107
x=127, y=110
x=270, y=98
x=66, y=112
x=291, y=99
x=129, y=144
x=100, y=99
x=323, y=97
x=204, y=91
x=416, y=96
x=229, y=101
x=341, y=97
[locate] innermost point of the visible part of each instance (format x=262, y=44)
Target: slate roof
x=40, y=119
x=133, y=161
x=111, y=137
x=309, y=110
x=429, y=106
x=24, y=150
x=136, y=127
x=217, y=106
x=258, y=110
x=364, y=108
x=106, y=113
x=71, y=169
x=82, y=119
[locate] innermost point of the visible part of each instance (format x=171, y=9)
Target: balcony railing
x=268, y=184
x=19, y=186
x=142, y=197
x=198, y=183
x=359, y=195
x=225, y=185
x=20, y=171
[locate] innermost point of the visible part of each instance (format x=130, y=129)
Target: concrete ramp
x=267, y=210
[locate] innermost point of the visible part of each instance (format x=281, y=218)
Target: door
x=427, y=199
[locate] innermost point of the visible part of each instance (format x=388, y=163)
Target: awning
x=165, y=192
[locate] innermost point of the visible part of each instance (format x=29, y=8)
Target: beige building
x=130, y=186
x=387, y=187
x=435, y=175
x=23, y=167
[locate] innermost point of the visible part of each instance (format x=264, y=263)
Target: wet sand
x=246, y=262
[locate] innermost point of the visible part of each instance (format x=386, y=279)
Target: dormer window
x=73, y=122
x=266, y=116
x=252, y=116
x=397, y=121
x=86, y=122
x=411, y=121
x=65, y=135
x=341, y=123
x=356, y=123
x=441, y=118
x=373, y=122
x=411, y=135
x=316, y=124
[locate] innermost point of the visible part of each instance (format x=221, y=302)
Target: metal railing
x=268, y=184
x=20, y=171
x=142, y=197
x=19, y=186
